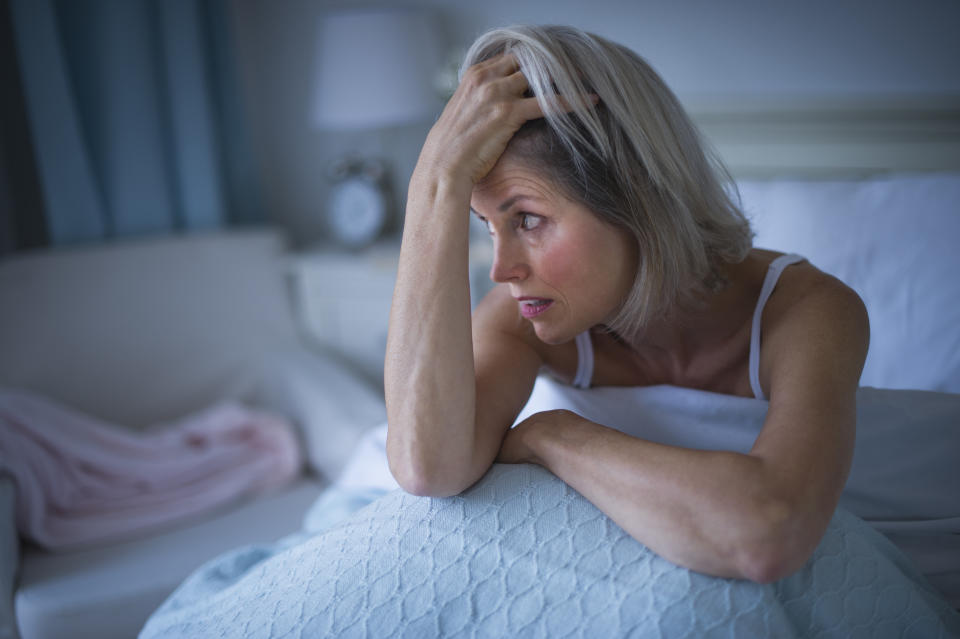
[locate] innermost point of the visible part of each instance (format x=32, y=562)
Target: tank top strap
x=769, y=283
x=584, y=360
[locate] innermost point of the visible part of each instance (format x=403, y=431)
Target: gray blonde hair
x=635, y=160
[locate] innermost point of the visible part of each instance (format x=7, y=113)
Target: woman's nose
x=509, y=263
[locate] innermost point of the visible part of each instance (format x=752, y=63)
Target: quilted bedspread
x=521, y=554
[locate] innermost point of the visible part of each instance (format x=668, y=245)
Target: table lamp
x=376, y=69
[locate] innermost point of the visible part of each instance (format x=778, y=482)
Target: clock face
x=357, y=212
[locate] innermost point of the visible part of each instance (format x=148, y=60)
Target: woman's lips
x=533, y=306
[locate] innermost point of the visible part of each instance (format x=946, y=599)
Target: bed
x=870, y=195
x=868, y=192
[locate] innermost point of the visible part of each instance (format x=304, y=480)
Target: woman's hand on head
x=475, y=127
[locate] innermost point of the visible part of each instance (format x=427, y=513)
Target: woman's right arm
x=447, y=408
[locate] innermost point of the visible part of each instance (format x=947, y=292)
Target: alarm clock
x=357, y=208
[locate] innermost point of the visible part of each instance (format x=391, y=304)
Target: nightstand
x=342, y=299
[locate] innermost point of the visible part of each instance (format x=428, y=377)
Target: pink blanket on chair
x=80, y=480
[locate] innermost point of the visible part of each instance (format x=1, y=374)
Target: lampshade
x=376, y=68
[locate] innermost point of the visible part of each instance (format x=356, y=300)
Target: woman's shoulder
x=803, y=286
x=812, y=311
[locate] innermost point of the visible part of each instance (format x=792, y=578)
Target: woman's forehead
x=511, y=175
x=500, y=199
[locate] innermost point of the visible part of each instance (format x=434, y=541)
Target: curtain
x=134, y=119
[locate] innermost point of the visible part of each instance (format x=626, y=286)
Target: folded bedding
x=522, y=554
x=82, y=481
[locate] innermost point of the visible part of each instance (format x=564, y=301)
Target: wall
x=707, y=51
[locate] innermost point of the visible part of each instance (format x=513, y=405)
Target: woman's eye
x=528, y=222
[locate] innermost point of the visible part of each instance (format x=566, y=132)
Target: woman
x=613, y=239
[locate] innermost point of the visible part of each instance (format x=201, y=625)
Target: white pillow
x=332, y=403
x=892, y=239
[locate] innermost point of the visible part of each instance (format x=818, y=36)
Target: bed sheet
x=903, y=480
x=522, y=554
x=870, y=576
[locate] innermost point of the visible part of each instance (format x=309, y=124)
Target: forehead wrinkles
x=493, y=185
x=500, y=185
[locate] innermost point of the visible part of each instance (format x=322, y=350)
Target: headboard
x=832, y=139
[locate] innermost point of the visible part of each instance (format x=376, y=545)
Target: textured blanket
x=521, y=554
x=81, y=481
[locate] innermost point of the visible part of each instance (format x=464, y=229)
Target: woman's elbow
x=771, y=565
x=423, y=480
x=431, y=471
x=785, y=542
x=421, y=485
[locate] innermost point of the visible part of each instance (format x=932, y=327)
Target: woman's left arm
x=754, y=516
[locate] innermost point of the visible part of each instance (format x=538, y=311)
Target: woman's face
x=567, y=270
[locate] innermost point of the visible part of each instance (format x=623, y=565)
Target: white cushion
x=331, y=402
x=892, y=239
x=145, y=331
x=110, y=591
